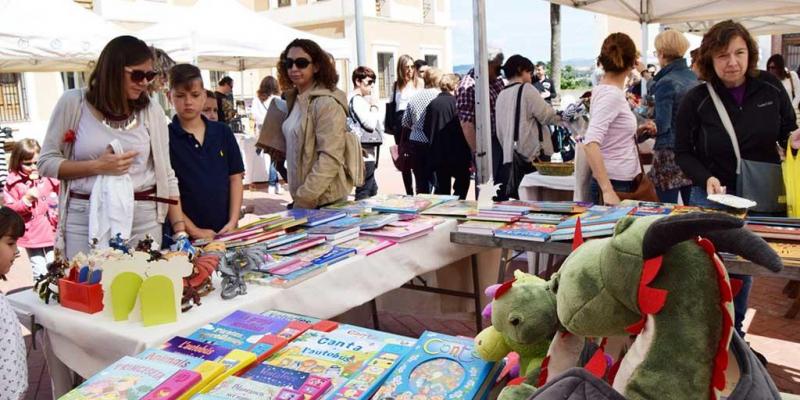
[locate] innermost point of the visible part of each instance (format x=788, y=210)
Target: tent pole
x=483, y=127
x=645, y=51
x=361, y=55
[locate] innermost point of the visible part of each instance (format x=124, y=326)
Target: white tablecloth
x=535, y=186
x=88, y=343
x=255, y=166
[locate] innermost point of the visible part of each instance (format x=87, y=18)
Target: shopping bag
x=791, y=180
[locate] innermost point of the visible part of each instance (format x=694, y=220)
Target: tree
x=555, y=44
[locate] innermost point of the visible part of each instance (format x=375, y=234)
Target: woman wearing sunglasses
x=76, y=148
x=313, y=134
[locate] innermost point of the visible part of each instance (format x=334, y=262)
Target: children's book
x=260, y=344
x=328, y=354
x=209, y=371
x=309, y=271
x=291, y=316
x=236, y=388
x=255, y=238
x=285, y=239
x=366, y=245
x=372, y=375
x=377, y=221
x=274, y=262
x=299, y=246
x=335, y=226
x=313, y=386
x=356, y=208
x=181, y=361
x=315, y=217
x=480, y=227
x=526, y=231
x=396, y=203
x=375, y=335
x=333, y=233
x=587, y=231
x=456, y=208
x=258, y=323
x=344, y=239
x=562, y=207
x=175, y=386
x=598, y=215
x=401, y=231
x=544, y=218
x=335, y=255
x=438, y=367
x=127, y=378
x=234, y=360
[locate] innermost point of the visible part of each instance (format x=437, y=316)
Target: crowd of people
x=111, y=157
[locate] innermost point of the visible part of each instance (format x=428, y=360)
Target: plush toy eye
x=515, y=321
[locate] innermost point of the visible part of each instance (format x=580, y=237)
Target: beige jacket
x=320, y=154
x=55, y=150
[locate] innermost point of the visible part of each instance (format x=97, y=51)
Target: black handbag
x=520, y=165
x=391, y=124
x=368, y=137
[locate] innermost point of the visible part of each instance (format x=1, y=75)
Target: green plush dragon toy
x=658, y=278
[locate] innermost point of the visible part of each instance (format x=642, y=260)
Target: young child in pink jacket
x=35, y=199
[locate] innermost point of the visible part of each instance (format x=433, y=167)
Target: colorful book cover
x=598, y=215
x=299, y=246
x=526, y=231
x=128, y=378
x=395, y=203
x=377, y=221
x=366, y=245
x=315, y=217
x=356, y=208
x=209, y=371
x=236, y=388
x=374, y=335
x=175, y=386
x=438, y=367
x=309, y=271
x=285, y=239
x=456, y=208
x=194, y=348
x=328, y=354
x=234, y=338
x=371, y=377
x=277, y=376
x=334, y=256
x=337, y=226
x=564, y=207
x=274, y=261
x=181, y=361
x=252, y=322
x=400, y=230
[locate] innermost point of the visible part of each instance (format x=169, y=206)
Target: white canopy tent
x=63, y=36
x=194, y=34
x=642, y=11
x=759, y=25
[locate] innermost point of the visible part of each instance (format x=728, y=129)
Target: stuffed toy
x=523, y=316
x=660, y=278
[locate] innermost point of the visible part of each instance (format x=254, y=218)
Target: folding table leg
x=476, y=292
x=373, y=308
x=501, y=271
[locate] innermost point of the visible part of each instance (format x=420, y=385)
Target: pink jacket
x=40, y=220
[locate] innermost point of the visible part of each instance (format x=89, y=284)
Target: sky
x=523, y=27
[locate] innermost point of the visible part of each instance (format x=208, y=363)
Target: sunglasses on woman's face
x=301, y=63
x=138, y=75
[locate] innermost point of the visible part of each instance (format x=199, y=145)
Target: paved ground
x=768, y=332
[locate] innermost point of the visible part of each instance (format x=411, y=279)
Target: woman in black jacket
x=759, y=110
x=449, y=156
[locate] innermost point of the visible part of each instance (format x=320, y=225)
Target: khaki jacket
x=320, y=156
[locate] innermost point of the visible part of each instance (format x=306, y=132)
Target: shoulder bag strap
x=354, y=115
x=517, y=112
x=726, y=122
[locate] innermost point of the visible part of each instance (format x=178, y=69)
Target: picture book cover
x=336, y=226
x=291, y=316
x=128, y=378
x=255, y=238
x=366, y=245
x=400, y=230
x=299, y=246
x=175, y=386
x=335, y=255
x=258, y=323
x=309, y=271
x=315, y=217
x=374, y=335
x=285, y=239
x=396, y=203
x=598, y=215
x=438, y=367
x=277, y=376
x=181, y=361
x=275, y=262
x=236, y=388
x=526, y=231
x=372, y=375
x=232, y=338
x=456, y=208
x=328, y=354
x=350, y=207
x=194, y=348
x=377, y=221
x=209, y=371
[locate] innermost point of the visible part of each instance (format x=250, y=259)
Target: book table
x=85, y=344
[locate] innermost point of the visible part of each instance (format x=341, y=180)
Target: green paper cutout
x=158, y=301
x=124, y=290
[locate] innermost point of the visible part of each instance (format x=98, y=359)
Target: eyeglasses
x=301, y=63
x=138, y=75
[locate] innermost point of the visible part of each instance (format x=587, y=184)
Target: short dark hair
x=618, y=53
x=11, y=224
x=780, y=66
x=516, y=65
x=326, y=72
x=182, y=76
x=419, y=64
x=361, y=73
x=210, y=94
x=541, y=64
x=268, y=86
x=226, y=81
x=106, y=91
x=716, y=39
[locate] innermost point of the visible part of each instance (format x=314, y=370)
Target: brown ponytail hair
x=618, y=53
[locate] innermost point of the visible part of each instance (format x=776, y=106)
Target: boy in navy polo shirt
x=205, y=158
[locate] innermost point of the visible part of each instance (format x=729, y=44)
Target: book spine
x=173, y=387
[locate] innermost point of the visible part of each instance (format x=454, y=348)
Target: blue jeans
x=699, y=198
x=273, y=175
x=619, y=186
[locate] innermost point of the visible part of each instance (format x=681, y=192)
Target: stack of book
x=775, y=227
x=526, y=231
x=314, y=217
x=596, y=221
x=456, y=208
x=401, y=231
x=337, y=231
x=485, y=228
x=557, y=207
